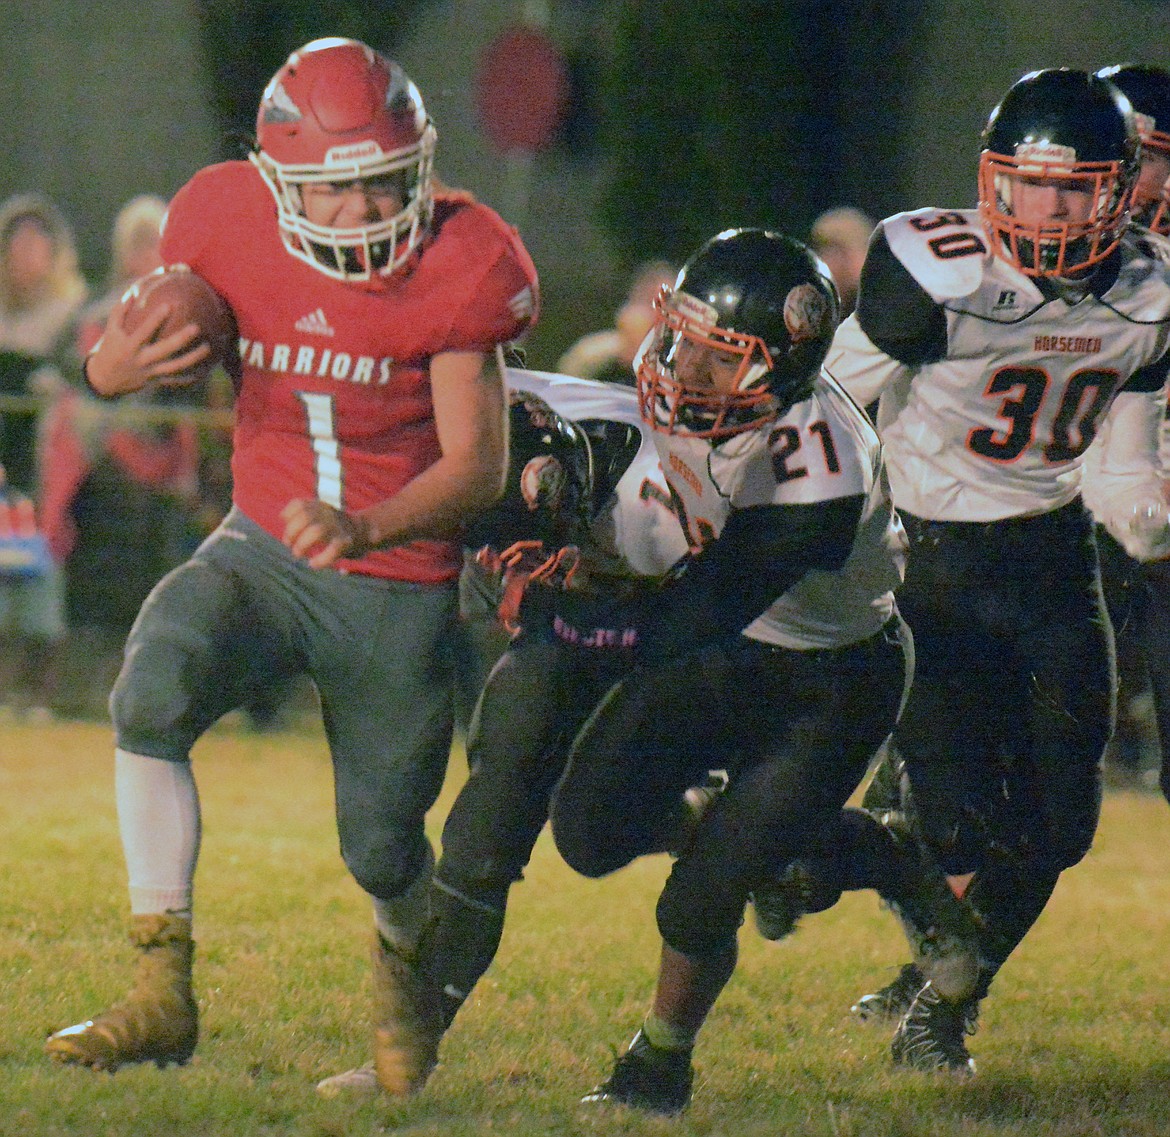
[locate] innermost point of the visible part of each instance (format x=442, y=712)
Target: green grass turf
x=1073, y=1039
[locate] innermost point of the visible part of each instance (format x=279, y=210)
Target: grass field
x=1075, y=1039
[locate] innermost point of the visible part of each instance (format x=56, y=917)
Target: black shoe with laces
x=893, y=1000
x=649, y=1078
x=931, y=1034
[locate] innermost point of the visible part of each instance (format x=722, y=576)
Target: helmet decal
x=278, y=107
x=1042, y=157
x=692, y=310
x=806, y=313
x=541, y=482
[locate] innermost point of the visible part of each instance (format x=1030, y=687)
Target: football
x=192, y=301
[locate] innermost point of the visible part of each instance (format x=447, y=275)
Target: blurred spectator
x=609, y=355
x=41, y=290
x=136, y=486
x=31, y=610
x=840, y=238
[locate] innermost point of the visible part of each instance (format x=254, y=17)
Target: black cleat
x=648, y=1078
x=931, y=1033
x=893, y=1000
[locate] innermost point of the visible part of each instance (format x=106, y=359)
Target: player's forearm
x=433, y=506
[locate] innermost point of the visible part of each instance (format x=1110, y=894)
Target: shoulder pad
x=945, y=250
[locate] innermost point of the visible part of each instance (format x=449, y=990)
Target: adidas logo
x=522, y=304
x=314, y=323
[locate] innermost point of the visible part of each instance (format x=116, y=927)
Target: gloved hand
x=523, y=565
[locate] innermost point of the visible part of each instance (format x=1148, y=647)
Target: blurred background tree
x=717, y=113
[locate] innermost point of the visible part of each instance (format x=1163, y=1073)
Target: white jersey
x=1117, y=486
x=991, y=389
x=822, y=449
x=637, y=529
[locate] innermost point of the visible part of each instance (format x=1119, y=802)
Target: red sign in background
x=522, y=90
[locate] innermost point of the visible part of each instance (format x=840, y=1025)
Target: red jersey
x=333, y=396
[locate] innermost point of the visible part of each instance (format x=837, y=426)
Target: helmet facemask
x=673, y=406
x=1053, y=247
x=378, y=248
x=1152, y=207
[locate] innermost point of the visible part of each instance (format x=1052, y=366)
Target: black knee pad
x=693, y=924
x=385, y=865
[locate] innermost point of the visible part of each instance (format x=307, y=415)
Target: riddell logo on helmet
x=695, y=311
x=1040, y=154
x=355, y=152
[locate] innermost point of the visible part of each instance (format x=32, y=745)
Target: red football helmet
x=335, y=112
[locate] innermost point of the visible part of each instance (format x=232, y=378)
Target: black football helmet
x=1059, y=124
x=548, y=497
x=753, y=293
x=1148, y=89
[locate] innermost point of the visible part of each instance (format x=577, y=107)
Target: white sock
x=399, y=921
x=160, y=824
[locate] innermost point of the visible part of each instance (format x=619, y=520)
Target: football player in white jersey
x=597, y=482
x=1135, y=572
x=776, y=640
x=998, y=340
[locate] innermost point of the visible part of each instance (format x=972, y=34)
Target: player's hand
x=125, y=361
x=1147, y=529
x=323, y=535
x=526, y=565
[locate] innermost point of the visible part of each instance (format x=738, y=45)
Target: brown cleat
x=408, y=1023
x=157, y=1022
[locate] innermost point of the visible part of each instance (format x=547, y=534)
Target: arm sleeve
x=896, y=313
x=897, y=327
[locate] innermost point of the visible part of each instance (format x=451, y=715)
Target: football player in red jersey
x=370, y=424
x=998, y=340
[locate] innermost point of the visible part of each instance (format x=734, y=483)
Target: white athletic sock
x=399, y=921
x=159, y=820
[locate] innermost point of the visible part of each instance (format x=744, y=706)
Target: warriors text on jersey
x=992, y=385
x=333, y=398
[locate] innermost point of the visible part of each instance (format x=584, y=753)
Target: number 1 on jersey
x=326, y=449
